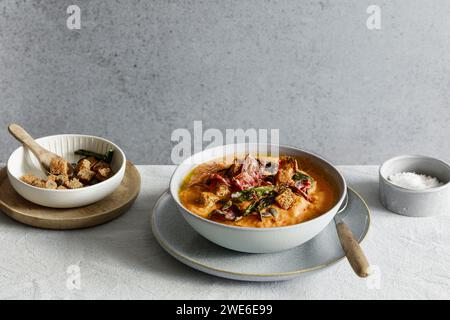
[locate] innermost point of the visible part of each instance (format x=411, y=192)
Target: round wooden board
x=100, y=212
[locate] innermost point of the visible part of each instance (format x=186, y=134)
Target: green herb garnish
x=299, y=176
x=252, y=193
x=107, y=157
x=259, y=205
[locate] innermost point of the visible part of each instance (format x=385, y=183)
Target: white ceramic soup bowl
x=23, y=161
x=256, y=240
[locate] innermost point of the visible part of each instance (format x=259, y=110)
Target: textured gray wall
x=139, y=69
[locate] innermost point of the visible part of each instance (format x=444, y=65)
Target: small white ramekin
x=23, y=161
x=415, y=203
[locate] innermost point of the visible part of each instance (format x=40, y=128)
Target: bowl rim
x=293, y=226
x=95, y=186
x=410, y=156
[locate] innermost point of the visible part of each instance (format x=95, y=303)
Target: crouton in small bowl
x=93, y=179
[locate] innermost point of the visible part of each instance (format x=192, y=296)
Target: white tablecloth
x=122, y=260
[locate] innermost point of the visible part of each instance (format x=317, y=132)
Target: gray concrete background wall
x=137, y=70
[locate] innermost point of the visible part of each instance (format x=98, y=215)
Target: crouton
x=61, y=179
x=85, y=175
x=29, y=178
x=285, y=199
x=83, y=164
x=38, y=183
x=100, y=165
x=284, y=176
x=50, y=184
x=207, y=199
x=103, y=174
x=92, y=160
x=73, y=183
x=80, y=175
x=59, y=166
x=286, y=169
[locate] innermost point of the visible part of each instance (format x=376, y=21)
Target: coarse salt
x=414, y=181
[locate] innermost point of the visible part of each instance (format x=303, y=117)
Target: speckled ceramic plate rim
x=238, y=275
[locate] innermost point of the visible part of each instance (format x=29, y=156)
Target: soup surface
x=258, y=191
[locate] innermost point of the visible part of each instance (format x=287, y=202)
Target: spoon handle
x=352, y=250
x=24, y=137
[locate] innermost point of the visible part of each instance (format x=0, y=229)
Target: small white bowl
x=23, y=161
x=255, y=240
x=415, y=203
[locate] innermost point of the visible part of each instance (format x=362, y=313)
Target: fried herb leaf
x=227, y=205
x=252, y=193
x=299, y=176
x=273, y=212
x=259, y=205
x=107, y=157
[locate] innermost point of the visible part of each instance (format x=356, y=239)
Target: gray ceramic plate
x=186, y=245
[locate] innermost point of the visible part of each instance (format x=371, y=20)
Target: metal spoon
x=349, y=244
x=44, y=156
